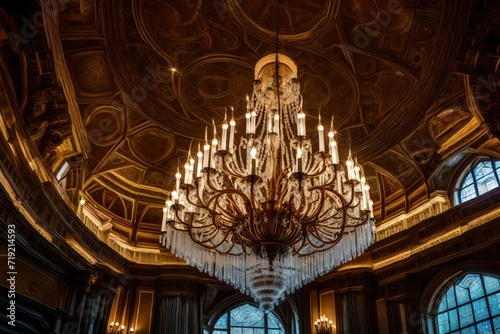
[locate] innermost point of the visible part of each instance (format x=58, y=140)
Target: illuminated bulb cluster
x=323, y=326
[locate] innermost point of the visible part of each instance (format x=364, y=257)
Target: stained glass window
x=471, y=305
x=483, y=176
x=247, y=319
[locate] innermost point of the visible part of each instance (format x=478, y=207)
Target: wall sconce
x=323, y=326
x=115, y=328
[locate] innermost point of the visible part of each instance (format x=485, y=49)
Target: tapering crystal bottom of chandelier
x=268, y=277
x=268, y=273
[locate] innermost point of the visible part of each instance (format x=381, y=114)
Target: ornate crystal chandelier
x=269, y=212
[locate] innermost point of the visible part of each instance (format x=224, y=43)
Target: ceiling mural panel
x=152, y=79
x=92, y=75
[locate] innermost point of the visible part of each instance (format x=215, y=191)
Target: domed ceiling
x=149, y=76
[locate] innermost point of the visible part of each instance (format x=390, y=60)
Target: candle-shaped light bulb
x=253, y=120
x=334, y=150
x=232, y=124
x=350, y=167
x=276, y=126
x=175, y=196
x=132, y=330
x=248, y=117
x=253, y=155
x=177, y=179
x=187, y=173
x=299, y=159
x=215, y=142
x=366, y=196
x=117, y=324
x=122, y=327
x=301, y=124
x=225, y=126
x=206, y=151
x=321, y=137
x=356, y=170
x=200, y=161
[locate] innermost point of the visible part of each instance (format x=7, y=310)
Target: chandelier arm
x=353, y=193
x=207, y=241
x=341, y=232
x=210, y=180
x=318, y=234
x=227, y=169
x=317, y=173
x=313, y=217
x=234, y=215
x=200, y=205
x=214, y=199
x=363, y=220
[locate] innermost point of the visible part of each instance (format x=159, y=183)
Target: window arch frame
x=290, y=325
x=452, y=283
x=442, y=281
x=469, y=169
x=228, y=313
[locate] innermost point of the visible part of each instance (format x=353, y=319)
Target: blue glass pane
x=453, y=319
x=465, y=313
x=468, y=330
x=468, y=180
x=247, y=316
x=273, y=322
x=492, y=284
x=484, y=327
x=480, y=309
x=476, y=287
x=482, y=169
x=276, y=331
x=486, y=184
x=462, y=295
x=496, y=324
x=222, y=322
x=450, y=298
x=236, y=330
x=467, y=193
x=219, y=332
x=443, y=323
x=494, y=301
x=443, y=305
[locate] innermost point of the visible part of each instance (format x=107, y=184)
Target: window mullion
x=494, y=166
x=474, y=179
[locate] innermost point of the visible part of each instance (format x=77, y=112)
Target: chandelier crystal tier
x=266, y=213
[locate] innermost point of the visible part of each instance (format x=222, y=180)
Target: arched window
x=470, y=305
x=482, y=176
x=247, y=319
